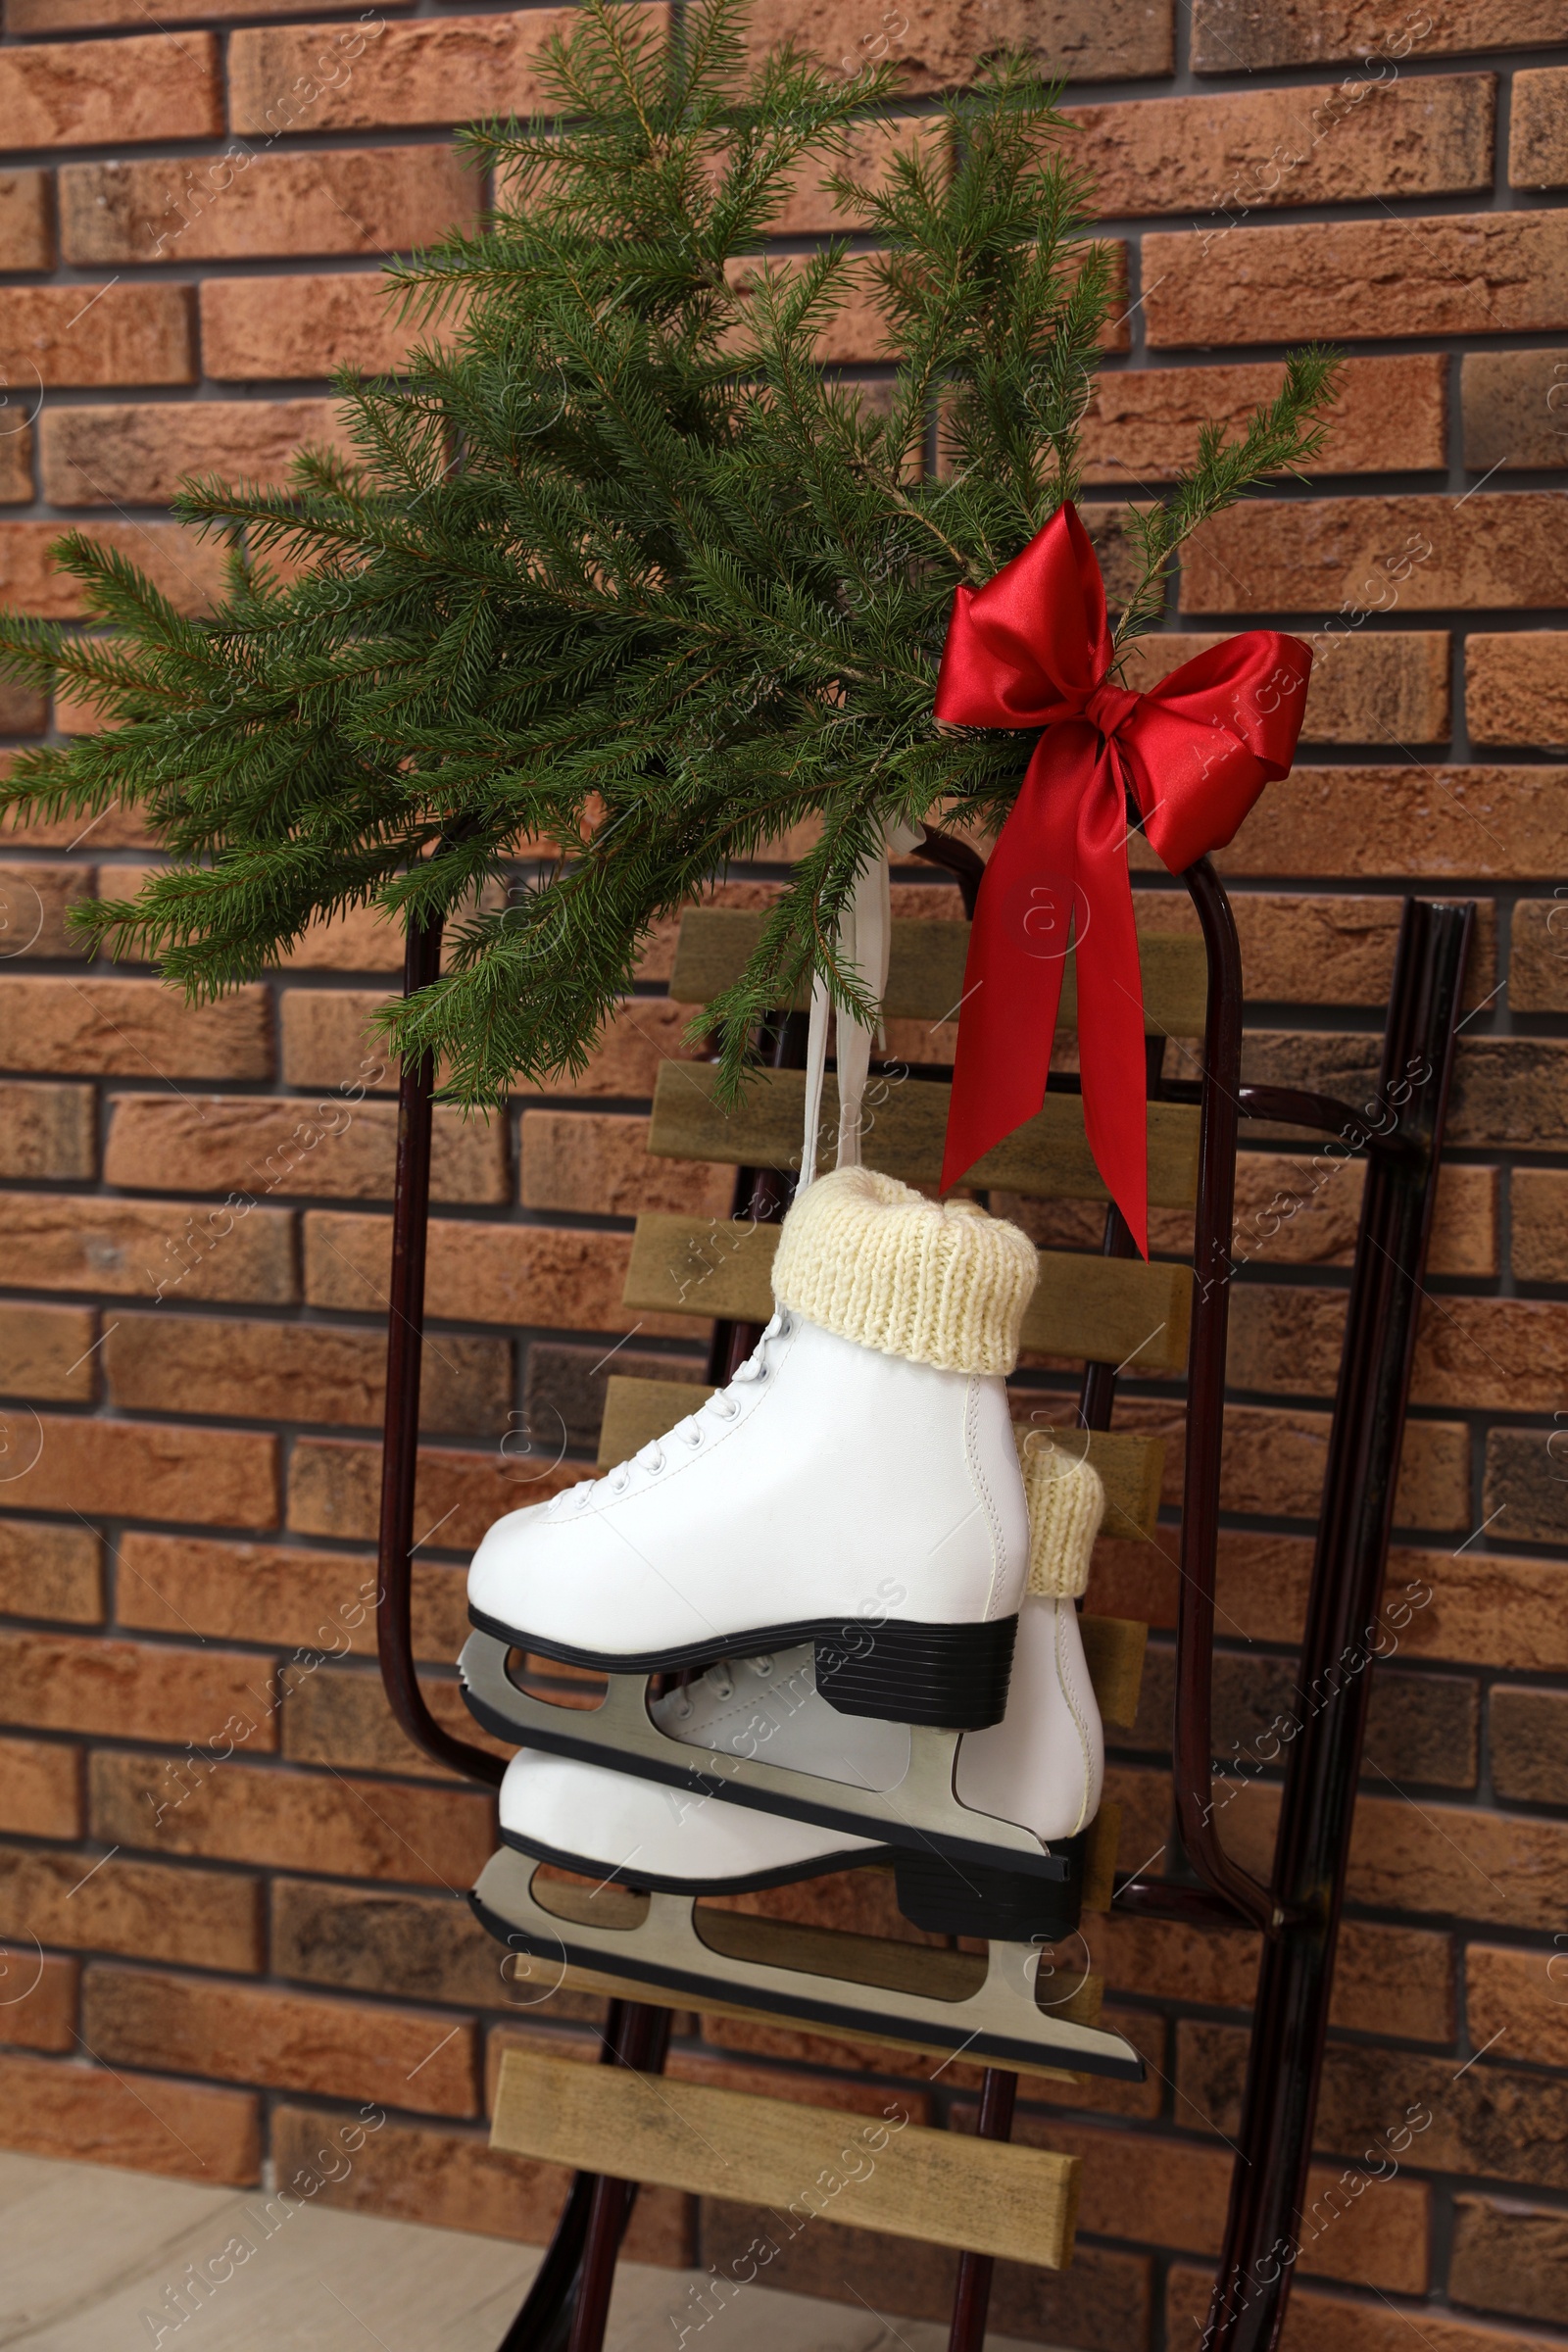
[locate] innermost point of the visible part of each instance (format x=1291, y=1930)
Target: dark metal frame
x=1299, y=1911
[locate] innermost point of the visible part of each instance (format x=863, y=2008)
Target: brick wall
x=236, y=1886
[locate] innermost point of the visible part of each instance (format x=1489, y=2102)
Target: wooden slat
x=1109, y=1310
x=925, y=970
x=1114, y=1650
x=906, y=1127
x=1100, y=1857
x=940, y=2187
x=636, y=1412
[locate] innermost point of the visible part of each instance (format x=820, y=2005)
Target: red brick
x=1538, y=129
x=88, y=16
x=598, y=1164
x=1516, y=687
x=329, y=1036
x=448, y=70
x=941, y=47
x=145, y=1470
x=263, y=1593
x=1491, y=824
x=135, y=1691
x=289, y=1820
x=454, y=2181
x=1388, y=1981
x=26, y=242
x=330, y=1039
x=1506, y=1353
x=140, y=455
x=1509, y=1869
x=427, y=1948
x=1487, y=2119
x=1230, y=37
x=131, y=1029
x=1508, y=2257
x=548, y=1275
x=245, y=204
x=36, y=903
x=48, y=1571
x=1166, y=2192
x=298, y=1372
x=1252, y=149
x=1462, y=274
x=150, y=2124
x=396, y=2057
x=334, y=1489
x=107, y=1903
x=276, y=328
x=1274, y=1460
x=1318, y=2322
x=184, y=569
x=89, y=93
x=342, y=1719
x=1143, y=423
x=22, y=711
x=40, y=1788
x=809, y=208
x=1320, y=949
x=76, y=1241
x=1512, y=406
x=38, y=2010
x=1520, y=1995
x=47, y=1353
x=117, y=827
x=1538, y=1198
x=360, y=939
x=125, y=335
x=1523, y=1482
x=1498, y=1611
x=855, y=332
x=221, y=1142
x=1271, y=554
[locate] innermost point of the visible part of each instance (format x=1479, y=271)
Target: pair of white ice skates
x=859, y=1602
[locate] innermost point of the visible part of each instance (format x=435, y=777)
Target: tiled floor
x=90, y=2256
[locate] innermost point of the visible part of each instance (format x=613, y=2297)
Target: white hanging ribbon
x=863, y=947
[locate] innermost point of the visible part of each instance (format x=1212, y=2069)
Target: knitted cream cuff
x=867, y=1257
x=1066, y=1503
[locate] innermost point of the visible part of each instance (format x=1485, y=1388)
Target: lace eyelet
x=722, y=1690
x=762, y=1667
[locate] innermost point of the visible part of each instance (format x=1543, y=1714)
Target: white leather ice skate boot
x=1041, y=1768
x=856, y=1486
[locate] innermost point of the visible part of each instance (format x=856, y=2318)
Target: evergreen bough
x=618, y=576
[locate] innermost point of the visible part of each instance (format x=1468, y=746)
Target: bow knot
x=1108, y=705
x=1032, y=649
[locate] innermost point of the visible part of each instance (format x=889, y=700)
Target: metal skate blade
x=921, y=1811
x=976, y=2006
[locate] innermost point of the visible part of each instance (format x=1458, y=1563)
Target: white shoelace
x=719, y=1409
x=865, y=940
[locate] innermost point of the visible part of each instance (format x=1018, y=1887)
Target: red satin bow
x=1031, y=649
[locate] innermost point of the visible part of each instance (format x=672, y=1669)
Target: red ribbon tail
x=1110, y=1009
x=1012, y=976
